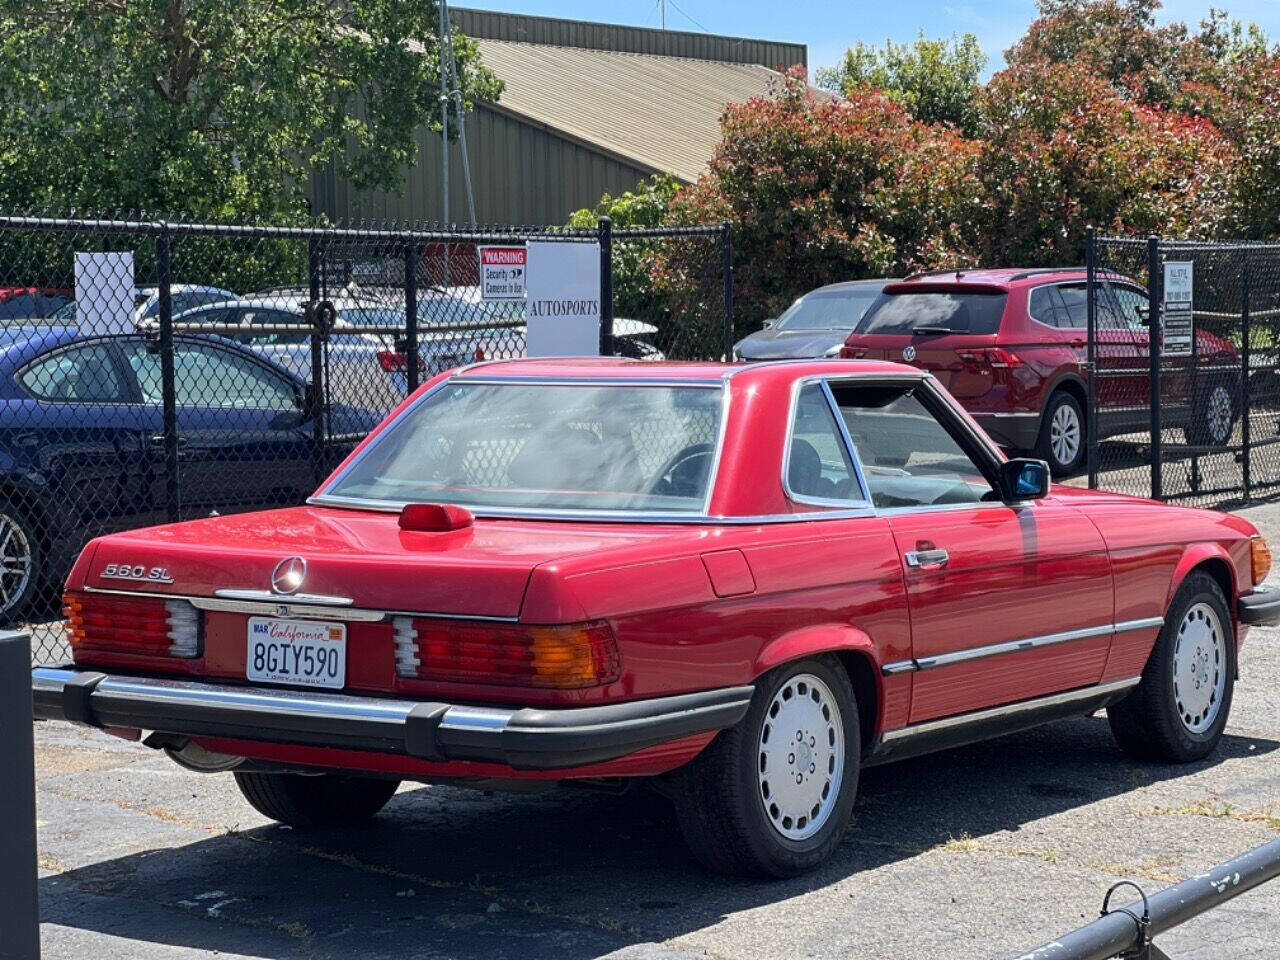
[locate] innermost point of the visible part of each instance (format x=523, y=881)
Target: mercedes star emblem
x=288, y=575
x=908, y=353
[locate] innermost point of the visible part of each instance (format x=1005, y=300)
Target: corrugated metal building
x=587, y=109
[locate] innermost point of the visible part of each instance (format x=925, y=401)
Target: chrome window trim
x=270, y=596
x=797, y=387
x=283, y=606
x=1016, y=646
x=1009, y=709
x=324, y=498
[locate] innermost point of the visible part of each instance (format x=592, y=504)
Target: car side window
x=85, y=374
x=21, y=306
x=265, y=318
x=1132, y=305
x=818, y=465
x=1045, y=306
x=908, y=457
x=207, y=376
x=1075, y=299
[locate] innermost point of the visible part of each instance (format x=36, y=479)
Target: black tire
x=324, y=800
x=19, y=538
x=1211, y=421
x=719, y=797
x=1061, y=424
x=1148, y=723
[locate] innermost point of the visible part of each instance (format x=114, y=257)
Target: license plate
x=308, y=653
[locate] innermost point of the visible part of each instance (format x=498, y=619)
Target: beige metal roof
x=659, y=112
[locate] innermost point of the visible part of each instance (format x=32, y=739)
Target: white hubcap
x=1218, y=414
x=15, y=561
x=801, y=757
x=1199, y=668
x=1064, y=434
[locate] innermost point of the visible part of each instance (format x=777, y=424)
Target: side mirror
x=307, y=400
x=768, y=324
x=1023, y=479
x=1144, y=314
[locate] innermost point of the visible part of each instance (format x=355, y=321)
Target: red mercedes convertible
x=742, y=583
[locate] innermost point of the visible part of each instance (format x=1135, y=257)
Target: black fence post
x=726, y=269
x=318, y=386
x=412, y=254
x=605, y=233
x=20, y=929
x=1246, y=396
x=1155, y=326
x=1091, y=356
x=168, y=390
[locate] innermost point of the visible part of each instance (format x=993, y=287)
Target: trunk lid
x=479, y=571
x=955, y=360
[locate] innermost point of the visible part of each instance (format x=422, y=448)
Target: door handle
x=158, y=441
x=927, y=559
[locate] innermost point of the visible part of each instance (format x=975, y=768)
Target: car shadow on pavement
x=445, y=872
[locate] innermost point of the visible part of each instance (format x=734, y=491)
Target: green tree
x=216, y=108
x=645, y=206
x=934, y=79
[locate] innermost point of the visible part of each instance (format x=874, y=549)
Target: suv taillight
x=150, y=626
x=393, y=362
x=997, y=357
x=473, y=651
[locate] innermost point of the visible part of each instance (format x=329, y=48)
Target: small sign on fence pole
x=1179, y=320
x=503, y=272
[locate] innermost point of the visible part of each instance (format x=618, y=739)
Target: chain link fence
x=157, y=372
x=1183, y=348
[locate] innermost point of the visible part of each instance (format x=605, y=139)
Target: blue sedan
x=82, y=444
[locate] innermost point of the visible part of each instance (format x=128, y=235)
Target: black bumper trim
x=1260, y=608
x=525, y=739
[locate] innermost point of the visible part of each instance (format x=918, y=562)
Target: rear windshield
x=828, y=309
x=940, y=311
x=545, y=447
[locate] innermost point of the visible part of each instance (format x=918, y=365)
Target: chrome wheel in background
x=1065, y=434
x=16, y=563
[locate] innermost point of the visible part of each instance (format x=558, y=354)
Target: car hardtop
x=660, y=371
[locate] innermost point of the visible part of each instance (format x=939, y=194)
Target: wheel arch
x=1209, y=558
x=1069, y=383
x=856, y=653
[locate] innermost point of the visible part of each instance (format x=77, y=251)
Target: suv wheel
x=1213, y=415
x=1062, y=439
x=772, y=796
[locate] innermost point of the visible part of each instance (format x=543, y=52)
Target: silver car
x=815, y=325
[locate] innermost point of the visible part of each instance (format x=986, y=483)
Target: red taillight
x=150, y=626
x=996, y=357
x=393, y=362
x=465, y=651
x=479, y=354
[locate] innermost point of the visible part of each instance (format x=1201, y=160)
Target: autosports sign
x=503, y=272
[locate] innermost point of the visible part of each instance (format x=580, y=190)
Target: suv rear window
x=940, y=311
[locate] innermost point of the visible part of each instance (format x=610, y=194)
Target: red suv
x=1010, y=345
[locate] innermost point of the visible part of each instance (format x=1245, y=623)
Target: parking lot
x=978, y=852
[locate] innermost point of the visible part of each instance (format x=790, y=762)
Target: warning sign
x=503, y=272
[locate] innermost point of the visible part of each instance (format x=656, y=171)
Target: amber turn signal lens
x=1260, y=559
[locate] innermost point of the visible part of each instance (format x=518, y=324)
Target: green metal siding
x=492, y=25
x=522, y=174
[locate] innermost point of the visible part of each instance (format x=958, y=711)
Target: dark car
x=813, y=326
x=32, y=303
x=82, y=443
x=1010, y=345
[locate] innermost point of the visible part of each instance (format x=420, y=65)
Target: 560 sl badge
x=125, y=571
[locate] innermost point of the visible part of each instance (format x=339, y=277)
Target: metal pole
x=1245, y=392
x=20, y=928
x=412, y=254
x=1116, y=932
x=726, y=270
x=314, y=264
x=1091, y=356
x=1154, y=340
x=605, y=233
x=444, y=114
x=168, y=388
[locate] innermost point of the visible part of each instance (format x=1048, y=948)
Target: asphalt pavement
x=979, y=852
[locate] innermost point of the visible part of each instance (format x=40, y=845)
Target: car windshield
x=939, y=311
x=545, y=447
x=828, y=309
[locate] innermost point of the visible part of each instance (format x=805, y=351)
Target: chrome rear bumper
x=523, y=738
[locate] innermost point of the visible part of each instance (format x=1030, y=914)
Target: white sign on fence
x=1179, y=321
x=562, y=302
x=503, y=272
x=104, y=292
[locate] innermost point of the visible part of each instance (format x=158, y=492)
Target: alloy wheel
x=1199, y=668
x=1064, y=434
x=1218, y=414
x=15, y=562
x=801, y=757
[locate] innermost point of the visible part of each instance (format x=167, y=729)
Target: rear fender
x=811, y=641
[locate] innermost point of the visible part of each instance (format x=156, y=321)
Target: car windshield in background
x=828, y=310
x=532, y=447
x=934, y=312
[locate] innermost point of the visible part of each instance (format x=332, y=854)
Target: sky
x=828, y=28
